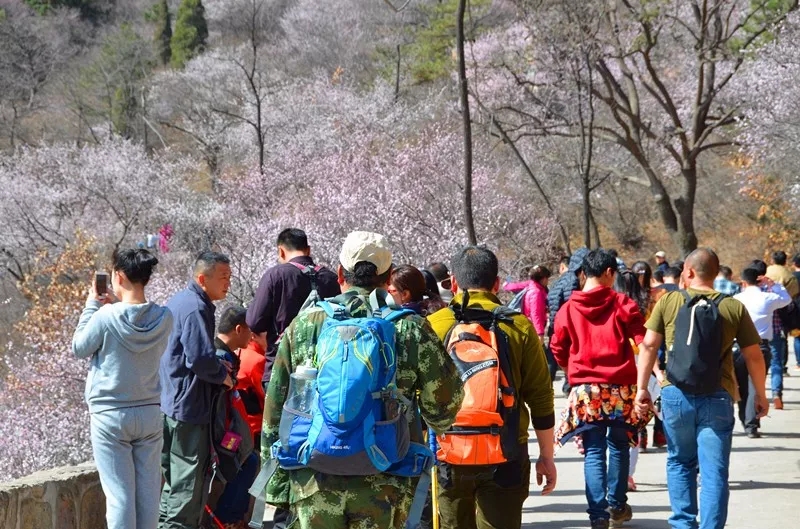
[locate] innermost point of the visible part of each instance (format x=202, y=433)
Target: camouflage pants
x=354, y=508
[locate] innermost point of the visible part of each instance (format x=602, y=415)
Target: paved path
x=765, y=478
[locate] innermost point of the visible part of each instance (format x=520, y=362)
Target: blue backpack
x=359, y=424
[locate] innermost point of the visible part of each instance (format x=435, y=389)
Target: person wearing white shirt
x=761, y=304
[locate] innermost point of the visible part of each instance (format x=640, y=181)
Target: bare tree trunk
x=595, y=231
x=587, y=212
x=466, y=118
x=397, y=76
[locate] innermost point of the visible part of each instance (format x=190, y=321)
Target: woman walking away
x=629, y=284
x=409, y=289
x=534, y=306
x=125, y=341
x=645, y=274
x=592, y=342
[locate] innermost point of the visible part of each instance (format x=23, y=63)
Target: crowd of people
x=338, y=395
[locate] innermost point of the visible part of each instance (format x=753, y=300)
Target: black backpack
x=694, y=364
x=231, y=440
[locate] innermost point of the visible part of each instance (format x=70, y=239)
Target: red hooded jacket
x=592, y=337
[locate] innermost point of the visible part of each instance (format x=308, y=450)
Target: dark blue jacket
x=190, y=370
x=562, y=289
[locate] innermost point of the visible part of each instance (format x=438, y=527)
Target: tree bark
x=467, y=120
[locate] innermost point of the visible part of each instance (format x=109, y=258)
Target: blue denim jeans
x=606, y=484
x=699, y=432
x=777, y=347
x=796, y=350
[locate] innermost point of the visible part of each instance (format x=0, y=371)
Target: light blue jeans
x=699, y=432
x=126, y=443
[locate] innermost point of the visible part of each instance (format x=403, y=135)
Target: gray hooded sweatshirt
x=125, y=342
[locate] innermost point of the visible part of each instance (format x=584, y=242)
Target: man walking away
x=190, y=372
x=443, y=280
x=761, y=306
x=424, y=374
x=780, y=273
x=284, y=288
x=795, y=333
x=560, y=292
x=661, y=261
x=723, y=283
x=697, y=407
x=485, y=489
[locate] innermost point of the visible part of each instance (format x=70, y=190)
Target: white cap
x=366, y=246
x=662, y=254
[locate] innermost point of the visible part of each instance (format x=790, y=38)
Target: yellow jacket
x=529, y=371
x=784, y=276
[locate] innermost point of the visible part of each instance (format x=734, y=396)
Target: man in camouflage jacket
x=379, y=501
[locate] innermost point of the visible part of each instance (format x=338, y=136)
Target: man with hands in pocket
x=699, y=423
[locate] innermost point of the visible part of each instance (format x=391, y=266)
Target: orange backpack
x=487, y=426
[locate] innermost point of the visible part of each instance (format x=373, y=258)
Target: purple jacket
x=280, y=294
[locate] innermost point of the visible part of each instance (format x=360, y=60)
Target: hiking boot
x=659, y=440
x=753, y=433
x=620, y=516
x=601, y=523
x=777, y=403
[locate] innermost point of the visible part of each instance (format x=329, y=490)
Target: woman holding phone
x=125, y=340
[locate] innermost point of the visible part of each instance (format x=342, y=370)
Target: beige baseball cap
x=661, y=254
x=366, y=246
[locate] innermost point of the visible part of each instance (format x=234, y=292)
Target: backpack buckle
x=494, y=430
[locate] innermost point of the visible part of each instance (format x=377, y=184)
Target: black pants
x=747, y=402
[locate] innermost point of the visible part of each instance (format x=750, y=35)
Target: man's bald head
x=704, y=262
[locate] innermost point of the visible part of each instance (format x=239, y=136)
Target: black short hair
x=206, y=260
x=725, y=271
x=598, y=261
x=475, y=267
x=232, y=316
x=673, y=272
x=759, y=265
x=365, y=275
x=796, y=260
x=439, y=271
x=613, y=252
x=678, y=265
x=137, y=265
x=750, y=276
x=564, y=260
x=658, y=275
x=293, y=239
x=779, y=258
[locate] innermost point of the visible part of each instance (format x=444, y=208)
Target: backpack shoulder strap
x=309, y=271
x=686, y=295
x=334, y=310
x=719, y=299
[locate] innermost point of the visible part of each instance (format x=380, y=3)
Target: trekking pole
x=434, y=481
x=214, y=519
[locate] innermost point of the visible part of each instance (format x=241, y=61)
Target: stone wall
x=61, y=498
